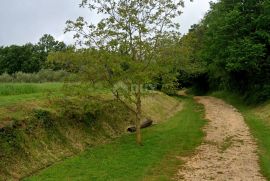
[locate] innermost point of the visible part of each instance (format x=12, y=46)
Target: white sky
x=24, y=21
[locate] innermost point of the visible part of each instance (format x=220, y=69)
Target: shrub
x=5, y=77
x=257, y=95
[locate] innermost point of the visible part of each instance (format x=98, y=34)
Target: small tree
x=126, y=43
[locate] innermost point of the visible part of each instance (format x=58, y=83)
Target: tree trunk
x=138, y=117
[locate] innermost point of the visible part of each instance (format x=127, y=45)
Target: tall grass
x=8, y=89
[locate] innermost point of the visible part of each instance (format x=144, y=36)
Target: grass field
x=7, y=89
x=124, y=160
x=258, y=120
x=11, y=93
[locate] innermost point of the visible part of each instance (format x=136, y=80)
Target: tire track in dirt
x=228, y=152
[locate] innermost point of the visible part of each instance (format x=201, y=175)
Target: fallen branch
x=146, y=123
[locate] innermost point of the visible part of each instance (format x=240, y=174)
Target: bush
x=25, y=77
x=5, y=77
x=52, y=76
x=257, y=95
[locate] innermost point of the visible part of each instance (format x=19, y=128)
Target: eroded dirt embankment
x=229, y=152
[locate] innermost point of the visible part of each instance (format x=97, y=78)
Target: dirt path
x=228, y=152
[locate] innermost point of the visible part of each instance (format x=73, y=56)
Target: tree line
x=30, y=58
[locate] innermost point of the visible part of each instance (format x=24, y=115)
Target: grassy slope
x=160, y=107
x=263, y=111
x=11, y=93
x=124, y=160
x=43, y=150
x=17, y=99
x=258, y=119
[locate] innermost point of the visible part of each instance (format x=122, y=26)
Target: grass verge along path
x=123, y=160
x=259, y=127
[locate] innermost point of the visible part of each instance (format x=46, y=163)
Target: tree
x=48, y=44
x=127, y=40
x=25, y=58
x=190, y=65
x=32, y=59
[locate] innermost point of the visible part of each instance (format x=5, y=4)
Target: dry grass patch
x=263, y=111
x=20, y=111
x=160, y=107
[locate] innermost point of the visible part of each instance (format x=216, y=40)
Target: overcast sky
x=24, y=21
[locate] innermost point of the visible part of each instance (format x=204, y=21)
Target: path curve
x=228, y=152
